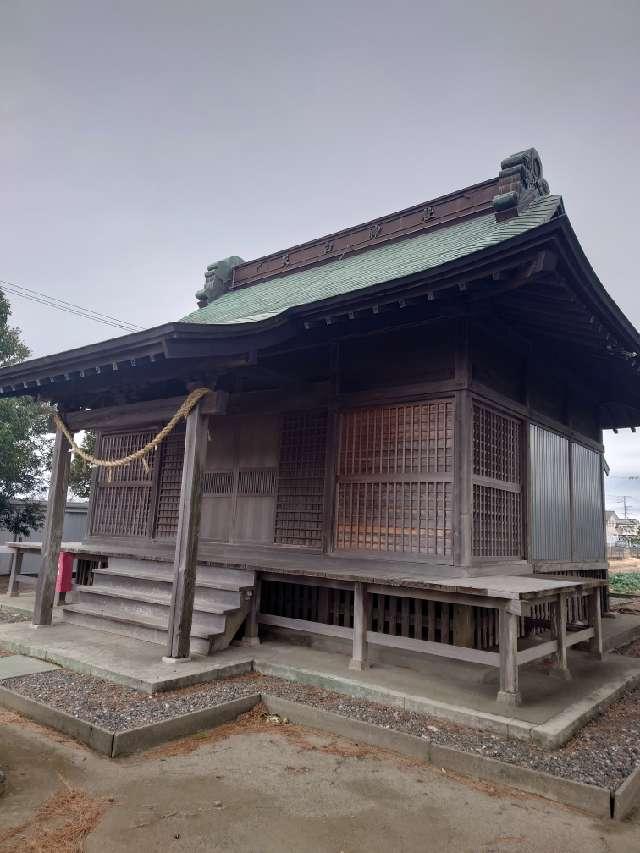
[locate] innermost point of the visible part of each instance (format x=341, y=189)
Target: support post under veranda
x=359, y=659
x=52, y=533
x=509, y=692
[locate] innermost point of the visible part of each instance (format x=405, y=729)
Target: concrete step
x=151, y=584
x=217, y=577
x=148, y=630
x=116, y=603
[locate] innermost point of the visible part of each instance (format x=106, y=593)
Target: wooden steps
x=133, y=598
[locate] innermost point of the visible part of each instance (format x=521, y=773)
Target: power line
x=68, y=307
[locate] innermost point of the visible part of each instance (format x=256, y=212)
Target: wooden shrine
x=401, y=447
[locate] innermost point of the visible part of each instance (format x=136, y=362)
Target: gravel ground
x=10, y=615
x=604, y=753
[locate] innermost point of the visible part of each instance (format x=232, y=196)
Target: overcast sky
x=142, y=140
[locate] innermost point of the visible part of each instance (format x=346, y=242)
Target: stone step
x=210, y=619
x=216, y=577
x=152, y=584
x=149, y=630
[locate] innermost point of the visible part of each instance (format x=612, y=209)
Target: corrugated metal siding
x=550, y=513
x=587, y=504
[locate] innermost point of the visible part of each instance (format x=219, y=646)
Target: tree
x=80, y=471
x=23, y=442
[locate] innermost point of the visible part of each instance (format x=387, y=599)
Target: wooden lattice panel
x=170, y=479
x=395, y=479
x=217, y=483
x=497, y=522
x=415, y=438
x=301, y=475
x=260, y=482
x=497, y=492
x=413, y=517
x=122, y=497
x=496, y=445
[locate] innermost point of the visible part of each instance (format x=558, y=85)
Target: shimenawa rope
x=188, y=404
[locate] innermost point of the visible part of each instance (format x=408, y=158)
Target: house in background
x=611, y=527
x=74, y=530
x=398, y=448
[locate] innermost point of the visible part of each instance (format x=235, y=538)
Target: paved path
x=272, y=790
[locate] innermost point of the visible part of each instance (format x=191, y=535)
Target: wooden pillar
x=560, y=633
x=251, y=638
x=463, y=482
x=360, y=624
x=16, y=570
x=185, y=561
x=463, y=625
x=595, y=621
x=509, y=692
x=52, y=532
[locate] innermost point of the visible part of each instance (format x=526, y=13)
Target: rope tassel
x=189, y=403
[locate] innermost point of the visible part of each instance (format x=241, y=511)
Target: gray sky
x=142, y=140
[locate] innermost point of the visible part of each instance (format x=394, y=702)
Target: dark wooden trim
x=413, y=393
x=117, y=418
x=463, y=480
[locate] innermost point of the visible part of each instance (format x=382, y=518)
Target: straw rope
x=189, y=403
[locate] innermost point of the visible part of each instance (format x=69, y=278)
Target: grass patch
x=629, y=582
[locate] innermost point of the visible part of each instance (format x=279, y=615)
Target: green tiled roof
x=375, y=266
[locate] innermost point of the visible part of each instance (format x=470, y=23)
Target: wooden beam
x=136, y=414
x=361, y=604
x=184, y=580
x=52, y=532
x=509, y=692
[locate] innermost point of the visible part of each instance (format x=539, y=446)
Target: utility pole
x=625, y=501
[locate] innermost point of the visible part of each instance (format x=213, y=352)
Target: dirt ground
x=620, y=567
x=256, y=786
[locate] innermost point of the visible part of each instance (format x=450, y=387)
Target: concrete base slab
x=16, y=665
x=24, y=603
x=122, y=660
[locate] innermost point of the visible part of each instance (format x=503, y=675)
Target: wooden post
x=463, y=625
x=185, y=562
x=509, y=692
x=463, y=479
x=251, y=638
x=560, y=632
x=52, y=533
x=360, y=623
x=16, y=569
x=595, y=620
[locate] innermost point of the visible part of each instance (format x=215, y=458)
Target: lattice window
x=170, y=481
x=257, y=481
x=122, y=498
x=300, y=502
x=497, y=497
x=217, y=483
x=395, y=479
x=496, y=445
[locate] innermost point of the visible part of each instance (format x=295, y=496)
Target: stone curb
x=97, y=738
x=627, y=797
x=589, y=798
x=550, y=735
x=595, y=800
x=143, y=737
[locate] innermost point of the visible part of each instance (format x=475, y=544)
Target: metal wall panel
x=550, y=504
x=586, y=476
